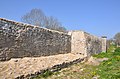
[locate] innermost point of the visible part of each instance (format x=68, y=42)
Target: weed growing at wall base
x=46, y=74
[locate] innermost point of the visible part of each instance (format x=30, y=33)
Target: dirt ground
x=95, y=61
x=29, y=65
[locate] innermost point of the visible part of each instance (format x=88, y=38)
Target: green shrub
x=117, y=49
x=116, y=53
x=46, y=74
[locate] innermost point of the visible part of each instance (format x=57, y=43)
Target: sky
x=98, y=17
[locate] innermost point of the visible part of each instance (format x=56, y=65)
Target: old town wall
x=19, y=40
x=24, y=40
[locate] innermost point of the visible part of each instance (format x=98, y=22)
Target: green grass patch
x=110, y=52
x=110, y=69
x=103, y=55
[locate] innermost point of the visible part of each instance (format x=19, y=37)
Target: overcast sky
x=98, y=17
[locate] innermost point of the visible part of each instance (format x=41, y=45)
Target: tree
x=35, y=17
x=38, y=18
x=52, y=23
x=117, y=38
x=110, y=42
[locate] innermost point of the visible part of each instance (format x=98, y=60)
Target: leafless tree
x=38, y=18
x=54, y=24
x=117, y=38
x=35, y=17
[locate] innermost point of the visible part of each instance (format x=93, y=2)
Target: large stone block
x=86, y=44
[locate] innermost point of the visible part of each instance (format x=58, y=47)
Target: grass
x=109, y=69
x=44, y=75
x=107, y=54
x=77, y=71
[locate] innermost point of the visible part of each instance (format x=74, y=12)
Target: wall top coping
x=29, y=25
x=85, y=33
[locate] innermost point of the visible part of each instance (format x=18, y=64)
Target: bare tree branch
x=35, y=17
x=38, y=18
x=117, y=38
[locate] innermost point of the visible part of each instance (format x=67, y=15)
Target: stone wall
x=93, y=44
x=23, y=40
x=86, y=44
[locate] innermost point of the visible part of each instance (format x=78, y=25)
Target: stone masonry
x=19, y=40
x=104, y=43
x=32, y=50
x=86, y=44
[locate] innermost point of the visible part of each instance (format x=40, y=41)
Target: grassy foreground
x=109, y=69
